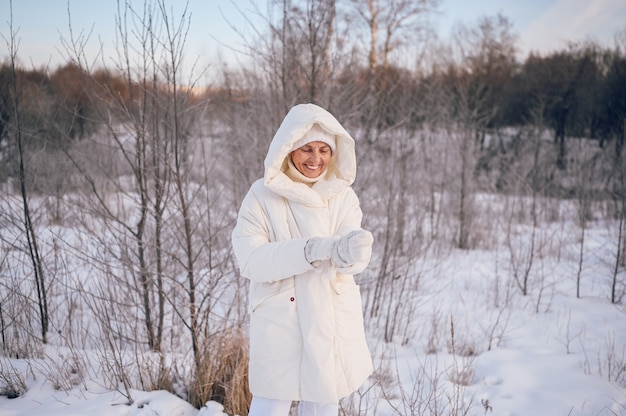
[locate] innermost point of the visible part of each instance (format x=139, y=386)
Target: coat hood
x=341, y=170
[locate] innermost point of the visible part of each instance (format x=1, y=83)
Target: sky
x=545, y=25
x=542, y=25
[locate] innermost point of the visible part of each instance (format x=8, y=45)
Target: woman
x=299, y=240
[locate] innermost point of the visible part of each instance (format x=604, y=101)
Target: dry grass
x=223, y=373
x=12, y=383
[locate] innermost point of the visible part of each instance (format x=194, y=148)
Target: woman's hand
x=320, y=248
x=354, y=247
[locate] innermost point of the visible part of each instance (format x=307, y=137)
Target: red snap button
x=292, y=298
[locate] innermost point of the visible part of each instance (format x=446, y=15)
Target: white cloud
x=574, y=20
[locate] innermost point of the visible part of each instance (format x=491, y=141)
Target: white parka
x=307, y=340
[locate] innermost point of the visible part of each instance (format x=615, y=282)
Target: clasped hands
x=347, y=250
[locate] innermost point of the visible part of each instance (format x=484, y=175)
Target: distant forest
x=307, y=56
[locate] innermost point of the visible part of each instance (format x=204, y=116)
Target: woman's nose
x=315, y=155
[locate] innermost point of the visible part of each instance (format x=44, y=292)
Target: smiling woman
x=311, y=155
x=298, y=239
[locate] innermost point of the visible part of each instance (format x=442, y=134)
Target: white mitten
x=320, y=248
x=354, y=247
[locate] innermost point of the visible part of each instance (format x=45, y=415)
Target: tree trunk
x=29, y=228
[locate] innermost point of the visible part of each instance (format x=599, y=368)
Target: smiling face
x=311, y=159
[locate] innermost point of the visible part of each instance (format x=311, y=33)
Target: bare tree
x=149, y=122
x=30, y=233
x=390, y=25
x=155, y=207
x=522, y=259
x=482, y=52
x=305, y=42
x=619, y=196
x=584, y=169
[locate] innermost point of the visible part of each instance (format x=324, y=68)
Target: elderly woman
x=298, y=239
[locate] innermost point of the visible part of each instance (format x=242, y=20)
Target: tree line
x=579, y=91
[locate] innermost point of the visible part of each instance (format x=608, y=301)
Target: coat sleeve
x=260, y=259
x=352, y=221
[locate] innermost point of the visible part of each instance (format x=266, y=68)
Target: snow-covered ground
x=477, y=346
x=566, y=356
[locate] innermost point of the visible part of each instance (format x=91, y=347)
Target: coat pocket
x=262, y=291
x=348, y=312
x=354, y=362
x=274, y=328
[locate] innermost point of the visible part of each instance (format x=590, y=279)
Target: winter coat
x=307, y=340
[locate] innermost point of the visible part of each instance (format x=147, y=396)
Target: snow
x=46, y=401
x=547, y=353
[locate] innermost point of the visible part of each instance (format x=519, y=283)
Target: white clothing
x=271, y=407
x=262, y=406
x=307, y=341
x=317, y=134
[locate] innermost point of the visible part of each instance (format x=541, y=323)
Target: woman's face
x=311, y=159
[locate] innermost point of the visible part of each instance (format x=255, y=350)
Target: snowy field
x=474, y=345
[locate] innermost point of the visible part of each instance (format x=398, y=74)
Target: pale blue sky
x=543, y=25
